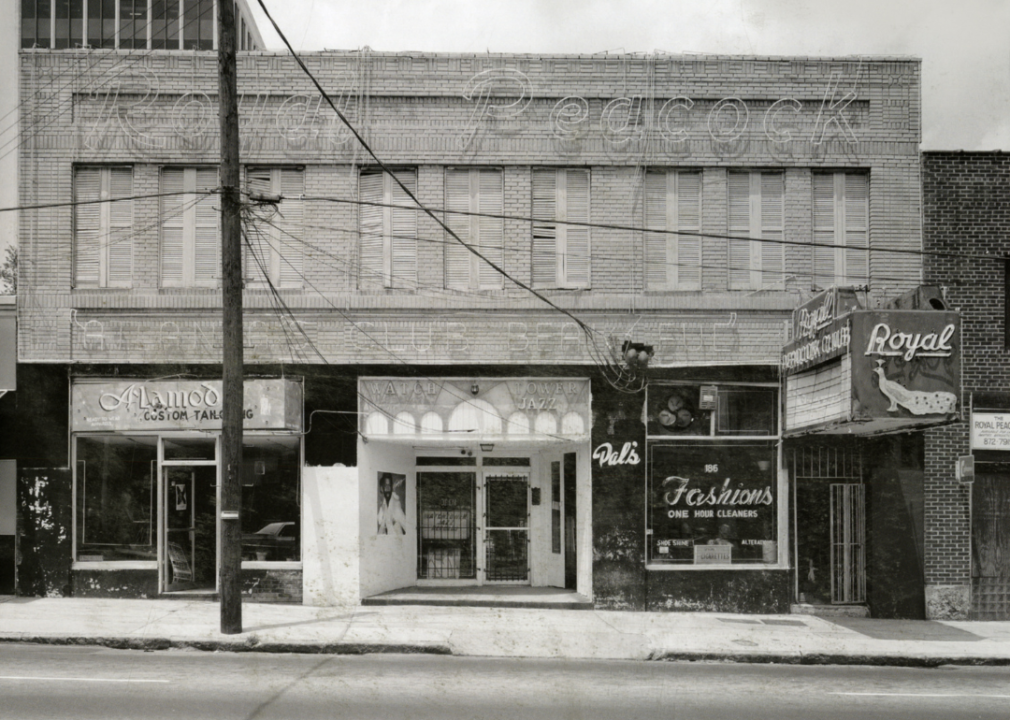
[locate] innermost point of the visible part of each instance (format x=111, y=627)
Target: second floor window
x=273, y=245
x=841, y=229
x=560, y=228
x=190, y=228
x=103, y=227
x=672, y=203
x=756, y=209
x=387, y=227
x=474, y=198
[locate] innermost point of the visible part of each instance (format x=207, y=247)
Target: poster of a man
x=391, y=516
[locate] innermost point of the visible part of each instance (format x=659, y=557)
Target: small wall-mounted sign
x=966, y=469
x=229, y=514
x=990, y=431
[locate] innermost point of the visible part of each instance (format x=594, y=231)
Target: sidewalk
x=506, y=632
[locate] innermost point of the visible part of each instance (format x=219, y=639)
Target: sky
x=964, y=45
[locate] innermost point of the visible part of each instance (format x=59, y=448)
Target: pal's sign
x=876, y=371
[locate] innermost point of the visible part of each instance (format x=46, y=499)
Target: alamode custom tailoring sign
x=138, y=404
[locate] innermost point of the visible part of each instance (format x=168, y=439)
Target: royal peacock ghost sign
x=901, y=369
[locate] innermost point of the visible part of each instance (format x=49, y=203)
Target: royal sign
x=821, y=330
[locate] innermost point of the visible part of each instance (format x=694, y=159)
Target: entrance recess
x=830, y=529
x=189, y=550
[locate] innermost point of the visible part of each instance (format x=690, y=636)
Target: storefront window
x=271, y=513
x=697, y=409
x=115, y=478
x=713, y=503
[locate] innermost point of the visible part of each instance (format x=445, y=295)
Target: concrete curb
x=917, y=661
x=247, y=645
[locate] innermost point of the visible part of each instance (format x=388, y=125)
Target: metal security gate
x=848, y=543
x=990, y=546
x=506, y=528
x=829, y=525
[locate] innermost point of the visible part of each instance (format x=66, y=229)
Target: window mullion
x=755, y=229
x=104, y=226
x=561, y=215
x=387, y=230
x=475, y=238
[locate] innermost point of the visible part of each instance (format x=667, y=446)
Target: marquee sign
x=820, y=330
x=475, y=408
x=900, y=369
x=139, y=404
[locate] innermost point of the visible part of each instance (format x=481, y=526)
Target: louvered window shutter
x=120, y=235
x=457, y=200
x=825, y=235
x=206, y=232
x=656, y=260
x=87, y=227
x=576, y=260
x=739, y=202
x=857, y=228
x=545, y=228
x=402, y=231
x=687, y=261
x=256, y=240
x=491, y=230
x=772, y=250
x=371, y=273
x=289, y=250
x=173, y=226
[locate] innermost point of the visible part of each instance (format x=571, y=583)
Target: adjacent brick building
x=405, y=387
x=966, y=218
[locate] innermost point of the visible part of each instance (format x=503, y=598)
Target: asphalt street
x=84, y=682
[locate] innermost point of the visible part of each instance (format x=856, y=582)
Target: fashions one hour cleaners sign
x=713, y=503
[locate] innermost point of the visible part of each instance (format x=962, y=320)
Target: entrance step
x=830, y=611
x=484, y=596
x=208, y=595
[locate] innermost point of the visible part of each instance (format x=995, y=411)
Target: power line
x=402, y=186
x=591, y=225
x=287, y=310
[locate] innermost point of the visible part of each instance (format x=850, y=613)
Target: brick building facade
x=966, y=214
x=684, y=204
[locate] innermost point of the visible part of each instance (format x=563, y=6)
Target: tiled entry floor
x=521, y=596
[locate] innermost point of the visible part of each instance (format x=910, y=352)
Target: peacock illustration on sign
x=917, y=402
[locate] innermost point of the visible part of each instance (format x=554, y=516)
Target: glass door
x=189, y=551
x=506, y=531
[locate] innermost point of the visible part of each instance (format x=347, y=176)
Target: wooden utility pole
x=231, y=294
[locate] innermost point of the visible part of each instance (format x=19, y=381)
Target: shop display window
x=713, y=504
x=271, y=513
x=115, y=498
x=701, y=410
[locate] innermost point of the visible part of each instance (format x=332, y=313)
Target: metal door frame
x=162, y=550
x=484, y=476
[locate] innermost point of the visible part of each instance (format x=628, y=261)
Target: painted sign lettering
x=883, y=341
x=606, y=454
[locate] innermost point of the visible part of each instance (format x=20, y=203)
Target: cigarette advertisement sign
x=708, y=496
